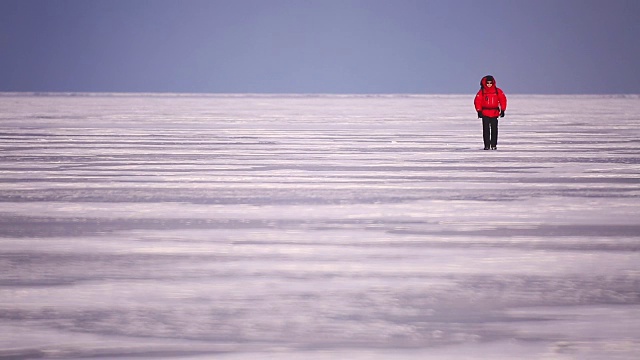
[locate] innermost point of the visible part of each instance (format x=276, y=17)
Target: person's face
x=489, y=83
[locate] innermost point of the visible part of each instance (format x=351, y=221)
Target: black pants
x=490, y=131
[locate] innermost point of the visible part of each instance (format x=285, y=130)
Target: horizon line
x=275, y=94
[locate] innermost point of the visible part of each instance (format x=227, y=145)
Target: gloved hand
x=501, y=113
x=479, y=114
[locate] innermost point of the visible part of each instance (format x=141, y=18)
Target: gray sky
x=320, y=46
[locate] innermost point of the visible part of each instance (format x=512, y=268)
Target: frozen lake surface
x=318, y=227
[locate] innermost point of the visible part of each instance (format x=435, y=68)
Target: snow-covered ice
x=318, y=227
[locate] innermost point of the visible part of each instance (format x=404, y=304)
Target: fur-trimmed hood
x=483, y=81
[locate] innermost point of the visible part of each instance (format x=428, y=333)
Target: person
x=490, y=103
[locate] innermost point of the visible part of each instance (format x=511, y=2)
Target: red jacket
x=490, y=100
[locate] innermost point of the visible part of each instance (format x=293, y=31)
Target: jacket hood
x=483, y=81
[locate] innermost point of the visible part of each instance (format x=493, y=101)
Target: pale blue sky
x=320, y=46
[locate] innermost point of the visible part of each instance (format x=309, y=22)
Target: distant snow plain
x=318, y=227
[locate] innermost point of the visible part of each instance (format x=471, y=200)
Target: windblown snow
x=318, y=227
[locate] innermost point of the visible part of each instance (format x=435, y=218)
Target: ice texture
x=318, y=227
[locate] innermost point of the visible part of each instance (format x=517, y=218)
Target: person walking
x=490, y=103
